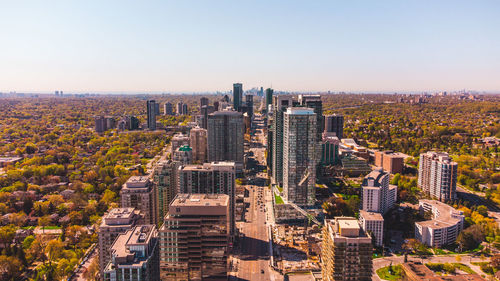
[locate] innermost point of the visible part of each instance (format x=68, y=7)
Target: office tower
x=225, y=136
x=157, y=108
x=392, y=162
x=100, y=124
x=165, y=180
x=261, y=92
x=177, y=141
x=135, y=256
x=198, y=141
x=185, y=109
x=237, y=96
x=329, y=149
x=203, y=101
x=138, y=192
x=151, y=110
x=179, y=108
x=269, y=97
x=346, y=251
x=373, y=223
x=299, y=156
x=249, y=102
x=280, y=104
x=444, y=226
x=195, y=238
x=114, y=223
x=314, y=102
x=210, y=178
x=437, y=175
x=377, y=195
x=335, y=124
x=168, y=109
x=183, y=154
x=205, y=111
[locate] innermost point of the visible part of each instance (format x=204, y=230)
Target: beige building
x=165, y=181
x=184, y=155
x=373, y=223
x=177, y=141
x=437, y=175
x=377, y=195
x=114, y=223
x=443, y=228
x=198, y=142
x=194, y=238
x=139, y=193
x=134, y=256
x=346, y=251
x=392, y=162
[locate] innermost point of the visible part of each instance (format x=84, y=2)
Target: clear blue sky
x=173, y=46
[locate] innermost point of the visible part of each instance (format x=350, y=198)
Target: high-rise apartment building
x=269, y=97
x=280, y=104
x=237, y=96
x=195, y=238
x=177, y=141
x=335, y=124
x=391, y=161
x=225, y=136
x=185, y=109
x=135, y=256
x=314, y=102
x=210, y=178
x=346, y=251
x=168, y=108
x=139, y=193
x=115, y=222
x=157, y=108
x=377, y=195
x=179, y=108
x=249, y=103
x=198, y=141
x=203, y=101
x=299, y=155
x=205, y=111
x=151, y=111
x=437, y=175
x=373, y=223
x=184, y=155
x=165, y=174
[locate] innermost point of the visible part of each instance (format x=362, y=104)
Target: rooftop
x=444, y=215
x=371, y=216
x=299, y=111
x=200, y=200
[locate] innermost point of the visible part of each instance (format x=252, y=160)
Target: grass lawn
x=51, y=227
x=396, y=274
x=464, y=268
x=277, y=199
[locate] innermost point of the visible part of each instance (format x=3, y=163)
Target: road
x=252, y=259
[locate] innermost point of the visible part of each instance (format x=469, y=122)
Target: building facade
x=165, y=175
x=151, y=112
x=198, y=142
x=373, y=223
x=139, y=193
x=346, y=251
x=168, y=108
x=280, y=105
x=237, y=96
x=177, y=141
x=299, y=156
x=195, y=238
x=335, y=124
x=135, y=256
x=184, y=155
x=443, y=228
x=114, y=223
x=314, y=102
x=437, y=176
x=377, y=195
x=225, y=136
x=391, y=162
x=329, y=149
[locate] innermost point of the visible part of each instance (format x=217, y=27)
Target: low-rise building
x=443, y=228
x=392, y=162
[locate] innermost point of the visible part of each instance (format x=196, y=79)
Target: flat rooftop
x=371, y=216
x=445, y=216
x=299, y=111
x=200, y=200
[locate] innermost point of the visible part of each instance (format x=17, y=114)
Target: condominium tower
x=225, y=136
x=151, y=111
x=437, y=176
x=377, y=195
x=198, y=142
x=165, y=180
x=300, y=155
x=237, y=96
x=335, y=124
x=280, y=105
x=138, y=192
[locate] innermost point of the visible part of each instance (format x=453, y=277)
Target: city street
x=253, y=261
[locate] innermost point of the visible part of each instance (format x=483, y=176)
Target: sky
x=207, y=45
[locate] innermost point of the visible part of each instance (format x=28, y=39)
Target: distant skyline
x=206, y=46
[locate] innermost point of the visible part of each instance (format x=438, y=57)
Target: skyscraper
x=346, y=251
x=225, y=136
x=203, y=101
x=377, y=195
x=183, y=154
x=195, y=238
x=299, y=155
x=168, y=109
x=237, y=96
x=179, y=108
x=280, y=105
x=269, y=97
x=210, y=178
x=198, y=141
x=314, y=102
x=165, y=180
x=138, y=192
x=437, y=175
x=157, y=108
x=335, y=124
x=205, y=111
x=135, y=256
x=177, y=141
x=114, y=223
x=249, y=102
x=151, y=110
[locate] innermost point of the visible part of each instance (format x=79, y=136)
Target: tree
x=495, y=261
x=54, y=249
x=43, y=222
x=470, y=237
x=7, y=234
x=10, y=268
